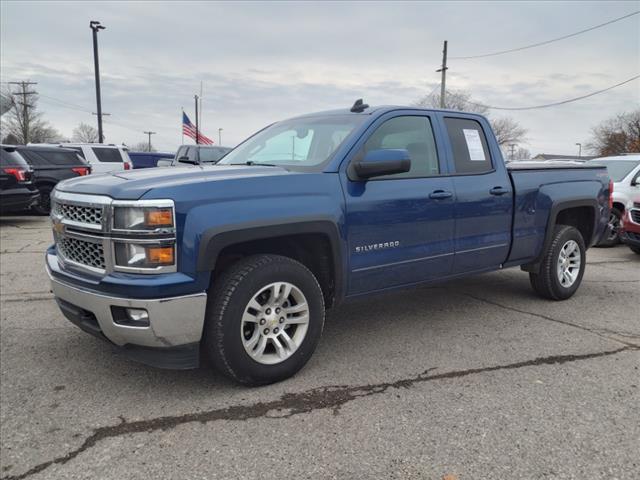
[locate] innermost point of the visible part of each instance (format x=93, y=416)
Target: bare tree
x=85, y=133
x=142, y=147
x=507, y=130
x=619, y=134
x=23, y=123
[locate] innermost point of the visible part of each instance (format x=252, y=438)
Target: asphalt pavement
x=473, y=379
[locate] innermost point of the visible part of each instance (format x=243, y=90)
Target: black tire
x=611, y=237
x=546, y=283
x=635, y=249
x=43, y=207
x=230, y=295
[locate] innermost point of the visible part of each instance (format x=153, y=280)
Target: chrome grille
x=635, y=215
x=80, y=214
x=82, y=252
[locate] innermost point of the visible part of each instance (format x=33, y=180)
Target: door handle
x=440, y=195
x=498, y=191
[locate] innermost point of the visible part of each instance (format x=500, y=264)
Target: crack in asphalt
x=601, y=332
x=290, y=404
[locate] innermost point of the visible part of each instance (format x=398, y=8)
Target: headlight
x=141, y=255
x=144, y=218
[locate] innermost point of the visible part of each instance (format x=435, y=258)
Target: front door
x=400, y=227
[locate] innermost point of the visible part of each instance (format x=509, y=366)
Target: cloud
x=260, y=62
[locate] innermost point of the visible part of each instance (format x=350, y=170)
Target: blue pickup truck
x=237, y=262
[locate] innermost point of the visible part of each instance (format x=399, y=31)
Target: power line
x=558, y=103
x=546, y=42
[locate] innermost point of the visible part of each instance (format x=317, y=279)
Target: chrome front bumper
x=173, y=321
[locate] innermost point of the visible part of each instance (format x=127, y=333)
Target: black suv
x=196, y=155
x=17, y=191
x=51, y=165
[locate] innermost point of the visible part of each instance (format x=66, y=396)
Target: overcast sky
x=261, y=62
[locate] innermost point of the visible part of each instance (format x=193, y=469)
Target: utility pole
x=197, y=130
x=443, y=81
x=96, y=27
x=579, y=149
x=149, y=133
x=220, y=136
x=512, y=146
x=25, y=105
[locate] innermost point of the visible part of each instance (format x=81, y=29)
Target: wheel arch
x=314, y=243
x=581, y=214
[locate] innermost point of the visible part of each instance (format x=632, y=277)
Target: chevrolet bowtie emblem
x=58, y=227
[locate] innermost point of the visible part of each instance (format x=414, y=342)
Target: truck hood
x=131, y=185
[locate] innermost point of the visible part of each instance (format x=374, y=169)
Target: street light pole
x=579, y=149
x=220, y=136
x=96, y=27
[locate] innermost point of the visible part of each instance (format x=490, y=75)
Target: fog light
x=137, y=315
x=130, y=317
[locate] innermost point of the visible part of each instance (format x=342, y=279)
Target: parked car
x=102, y=157
x=630, y=231
x=196, y=155
x=17, y=191
x=624, y=170
x=239, y=261
x=51, y=165
x=148, y=159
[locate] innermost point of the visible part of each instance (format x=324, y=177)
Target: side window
x=34, y=158
x=79, y=150
x=414, y=134
x=470, y=149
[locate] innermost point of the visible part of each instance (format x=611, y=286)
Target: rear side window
x=11, y=159
x=107, y=154
x=469, y=144
x=78, y=150
x=208, y=155
x=413, y=134
x=51, y=157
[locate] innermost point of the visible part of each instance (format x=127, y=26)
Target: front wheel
x=264, y=319
x=562, y=266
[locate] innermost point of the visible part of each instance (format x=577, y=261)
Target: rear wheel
x=612, y=236
x=562, y=266
x=264, y=319
x=44, y=202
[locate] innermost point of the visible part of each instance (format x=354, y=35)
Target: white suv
x=102, y=157
x=624, y=170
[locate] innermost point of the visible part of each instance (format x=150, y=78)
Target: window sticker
x=474, y=145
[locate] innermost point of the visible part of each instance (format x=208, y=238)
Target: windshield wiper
x=252, y=163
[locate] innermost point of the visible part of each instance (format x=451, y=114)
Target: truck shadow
x=357, y=335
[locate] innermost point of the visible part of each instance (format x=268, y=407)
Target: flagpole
x=197, y=132
x=182, y=125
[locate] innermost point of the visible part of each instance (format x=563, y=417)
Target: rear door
x=484, y=205
x=400, y=227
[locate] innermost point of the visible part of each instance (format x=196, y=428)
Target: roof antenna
x=359, y=106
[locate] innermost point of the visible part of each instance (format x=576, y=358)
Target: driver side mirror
x=164, y=162
x=636, y=181
x=382, y=162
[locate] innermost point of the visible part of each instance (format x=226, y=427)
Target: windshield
x=304, y=143
x=618, y=169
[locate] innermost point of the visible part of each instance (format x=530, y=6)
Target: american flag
x=189, y=130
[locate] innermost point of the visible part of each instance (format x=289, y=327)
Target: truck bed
x=538, y=187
